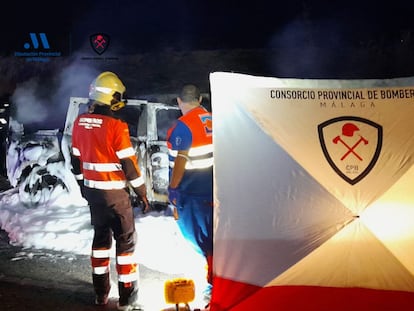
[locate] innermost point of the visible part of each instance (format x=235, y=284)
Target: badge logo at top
x=99, y=42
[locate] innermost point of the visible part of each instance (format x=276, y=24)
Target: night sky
x=295, y=39
x=148, y=25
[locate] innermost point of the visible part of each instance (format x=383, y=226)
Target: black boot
x=102, y=286
x=128, y=293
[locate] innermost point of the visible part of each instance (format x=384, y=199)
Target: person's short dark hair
x=190, y=93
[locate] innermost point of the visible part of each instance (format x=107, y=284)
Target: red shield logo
x=351, y=146
x=99, y=42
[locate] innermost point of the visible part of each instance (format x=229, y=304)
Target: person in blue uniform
x=190, y=190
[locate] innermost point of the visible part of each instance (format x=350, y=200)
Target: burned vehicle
x=148, y=124
x=35, y=168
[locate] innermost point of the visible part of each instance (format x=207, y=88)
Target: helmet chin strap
x=118, y=105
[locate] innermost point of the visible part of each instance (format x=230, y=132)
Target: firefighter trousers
x=112, y=218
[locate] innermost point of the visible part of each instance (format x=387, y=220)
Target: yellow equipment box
x=179, y=290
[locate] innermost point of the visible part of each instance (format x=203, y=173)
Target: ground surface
x=34, y=280
x=38, y=280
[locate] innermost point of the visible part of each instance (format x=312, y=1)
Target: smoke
x=29, y=107
x=41, y=103
x=74, y=82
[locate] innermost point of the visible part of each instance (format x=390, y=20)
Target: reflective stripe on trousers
x=126, y=265
x=127, y=268
x=100, y=261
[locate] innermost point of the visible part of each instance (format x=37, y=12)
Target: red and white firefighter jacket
x=107, y=158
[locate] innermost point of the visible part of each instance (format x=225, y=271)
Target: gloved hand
x=146, y=208
x=81, y=187
x=141, y=192
x=173, y=196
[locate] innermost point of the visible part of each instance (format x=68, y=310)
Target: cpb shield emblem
x=351, y=146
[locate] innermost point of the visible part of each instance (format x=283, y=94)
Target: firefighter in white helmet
x=105, y=165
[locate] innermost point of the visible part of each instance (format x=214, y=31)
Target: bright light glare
x=393, y=224
x=391, y=221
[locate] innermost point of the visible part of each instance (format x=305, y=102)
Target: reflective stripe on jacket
x=200, y=154
x=101, y=143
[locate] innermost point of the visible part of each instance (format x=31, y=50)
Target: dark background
x=148, y=25
x=156, y=46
